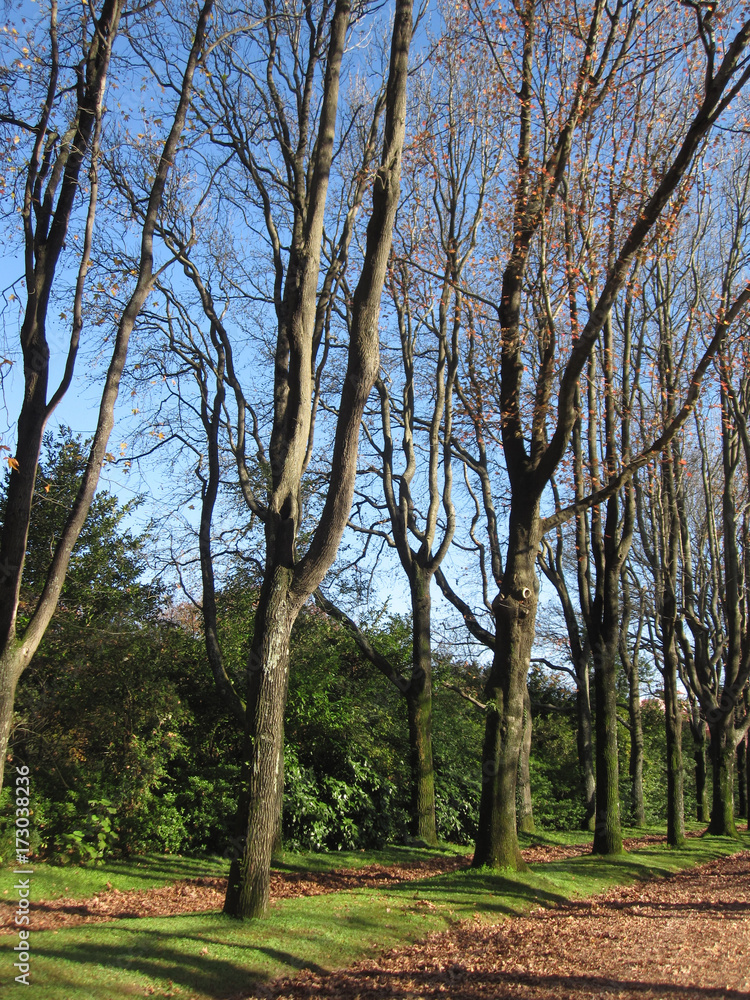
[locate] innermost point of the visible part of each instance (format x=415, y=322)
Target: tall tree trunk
x=638, y=811
x=515, y=611
x=262, y=780
x=630, y=662
x=673, y=719
x=288, y=580
x=722, y=769
x=668, y=618
x=525, y=808
x=608, y=828
x=742, y=777
x=698, y=729
x=584, y=737
x=604, y=635
x=419, y=710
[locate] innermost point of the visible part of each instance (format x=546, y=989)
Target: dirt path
x=200, y=895
x=686, y=937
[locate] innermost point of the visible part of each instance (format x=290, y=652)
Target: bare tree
x=64, y=132
x=446, y=175
x=270, y=109
x=534, y=441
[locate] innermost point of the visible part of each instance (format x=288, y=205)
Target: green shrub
x=327, y=813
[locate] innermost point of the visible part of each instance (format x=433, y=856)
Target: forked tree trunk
x=722, y=769
x=526, y=809
x=289, y=581
x=419, y=710
x=263, y=770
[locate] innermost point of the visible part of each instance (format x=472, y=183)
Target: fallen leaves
x=686, y=937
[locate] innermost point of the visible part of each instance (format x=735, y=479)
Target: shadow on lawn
x=351, y=860
x=148, y=867
x=152, y=954
x=223, y=957
x=492, y=893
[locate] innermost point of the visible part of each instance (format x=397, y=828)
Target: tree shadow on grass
x=331, y=861
x=148, y=867
x=487, y=891
x=151, y=954
x=115, y=956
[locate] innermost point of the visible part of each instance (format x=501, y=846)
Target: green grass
x=54, y=880
x=51, y=880
x=309, y=861
x=210, y=956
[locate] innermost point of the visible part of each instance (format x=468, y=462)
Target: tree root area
x=202, y=894
x=685, y=937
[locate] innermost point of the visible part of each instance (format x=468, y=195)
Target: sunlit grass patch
x=208, y=955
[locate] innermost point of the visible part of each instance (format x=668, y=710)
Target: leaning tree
x=54, y=114
x=285, y=169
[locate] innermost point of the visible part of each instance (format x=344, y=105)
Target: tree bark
x=263, y=769
x=419, y=710
x=605, y=635
x=668, y=617
x=701, y=774
x=608, y=828
x=526, y=809
x=722, y=822
x=515, y=612
x=742, y=777
x=630, y=662
x=638, y=810
x=585, y=741
x=673, y=719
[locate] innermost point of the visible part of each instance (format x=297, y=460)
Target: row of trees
x=131, y=748
x=559, y=276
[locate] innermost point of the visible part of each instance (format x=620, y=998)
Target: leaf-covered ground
x=204, y=894
x=686, y=937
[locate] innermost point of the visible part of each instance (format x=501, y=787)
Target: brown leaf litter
x=684, y=937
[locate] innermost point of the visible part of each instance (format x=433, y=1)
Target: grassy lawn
x=210, y=956
x=51, y=880
x=81, y=881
